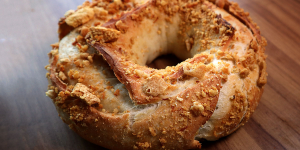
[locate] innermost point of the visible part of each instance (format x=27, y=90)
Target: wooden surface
x=28, y=119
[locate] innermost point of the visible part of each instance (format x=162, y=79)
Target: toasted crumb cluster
x=80, y=17
x=197, y=70
x=121, y=26
x=84, y=93
x=104, y=35
x=197, y=108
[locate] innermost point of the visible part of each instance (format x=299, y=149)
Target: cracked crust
x=218, y=85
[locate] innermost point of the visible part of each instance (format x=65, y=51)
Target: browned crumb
x=152, y=131
x=83, y=48
x=83, y=92
x=90, y=58
x=117, y=92
x=143, y=145
x=84, y=31
x=213, y=92
x=105, y=35
x=85, y=63
x=62, y=76
x=78, y=63
x=163, y=141
x=197, y=108
x=84, y=55
x=75, y=113
x=100, y=13
x=244, y=73
x=196, y=70
x=80, y=17
x=65, y=60
x=121, y=26
x=97, y=23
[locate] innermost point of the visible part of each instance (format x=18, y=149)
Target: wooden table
x=28, y=119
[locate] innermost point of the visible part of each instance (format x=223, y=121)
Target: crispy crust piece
x=84, y=93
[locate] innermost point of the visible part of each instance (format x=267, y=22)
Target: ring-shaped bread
x=207, y=96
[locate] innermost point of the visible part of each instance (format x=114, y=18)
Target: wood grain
x=28, y=119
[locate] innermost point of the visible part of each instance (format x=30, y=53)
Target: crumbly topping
x=244, y=72
x=80, y=17
x=197, y=108
x=189, y=44
x=117, y=92
x=84, y=93
x=76, y=113
x=140, y=73
x=90, y=58
x=155, y=86
x=78, y=63
x=73, y=74
x=97, y=23
x=179, y=99
x=65, y=60
x=85, y=63
x=196, y=70
x=233, y=117
x=83, y=48
x=53, y=52
x=62, y=76
x=213, y=92
x=140, y=145
x=84, y=31
x=163, y=141
x=84, y=55
x=213, y=28
x=203, y=93
x=101, y=13
x=121, y=26
x=152, y=131
x=104, y=35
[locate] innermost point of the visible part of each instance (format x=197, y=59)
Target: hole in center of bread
x=163, y=61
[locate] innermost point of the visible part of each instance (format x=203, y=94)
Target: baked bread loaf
x=120, y=103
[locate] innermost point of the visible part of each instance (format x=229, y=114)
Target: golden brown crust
x=254, y=93
x=134, y=82
x=54, y=77
x=176, y=134
x=170, y=119
x=80, y=17
x=100, y=9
